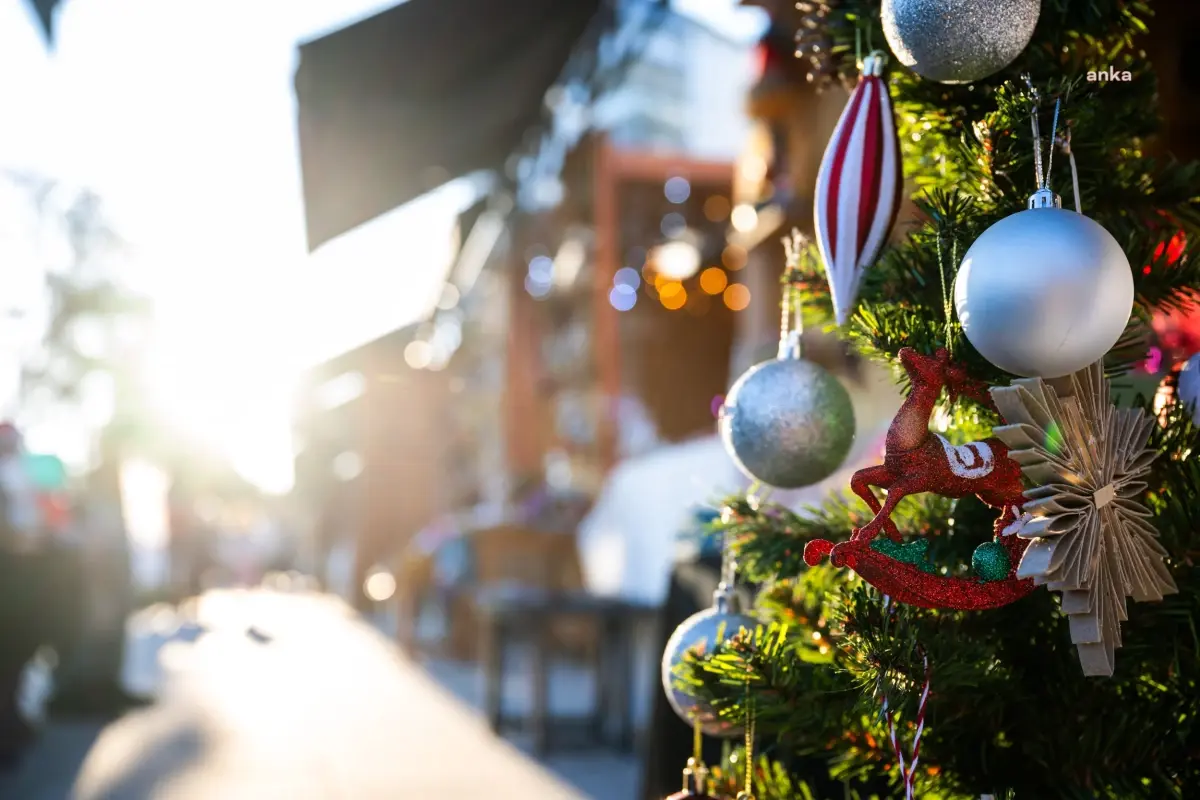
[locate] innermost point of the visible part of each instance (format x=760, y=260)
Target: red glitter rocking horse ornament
x=918, y=460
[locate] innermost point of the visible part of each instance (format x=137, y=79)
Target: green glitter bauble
x=990, y=561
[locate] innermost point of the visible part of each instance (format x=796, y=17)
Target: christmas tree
x=856, y=659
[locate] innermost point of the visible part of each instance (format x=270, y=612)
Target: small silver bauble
x=703, y=629
x=1188, y=388
x=787, y=423
x=958, y=41
x=1045, y=292
x=1181, y=386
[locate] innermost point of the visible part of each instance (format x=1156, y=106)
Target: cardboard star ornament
x=1091, y=535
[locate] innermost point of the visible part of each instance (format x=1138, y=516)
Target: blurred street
x=269, y=695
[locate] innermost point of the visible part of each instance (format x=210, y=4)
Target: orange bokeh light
x=734, y=257
x=737, y=297
x=717, y=208
x=668, y=288
x=713, y=280
x=675, y=300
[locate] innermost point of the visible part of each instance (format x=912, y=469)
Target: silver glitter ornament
x=787, y=423
x=704, y=629
x=1044, y=292
x=958, y=41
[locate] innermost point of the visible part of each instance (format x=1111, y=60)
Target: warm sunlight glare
x=144, y=497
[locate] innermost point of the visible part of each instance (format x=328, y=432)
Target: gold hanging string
x=791, y=320
x=947, y=300
x=748, y=792
x=695, y=772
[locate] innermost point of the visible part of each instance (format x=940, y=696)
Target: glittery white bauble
x=1044, y=293
x=787, y=423
x=958, y=41
x=703, y=629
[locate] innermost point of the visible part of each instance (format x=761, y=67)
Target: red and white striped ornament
x=908, y=771
x=858, y=186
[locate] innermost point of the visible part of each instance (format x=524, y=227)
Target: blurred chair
x=501, y=561
x=529, y=592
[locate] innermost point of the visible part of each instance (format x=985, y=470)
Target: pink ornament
x=858, y=187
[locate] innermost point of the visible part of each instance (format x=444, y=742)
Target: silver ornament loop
x=874, y=63
x=1044, y=198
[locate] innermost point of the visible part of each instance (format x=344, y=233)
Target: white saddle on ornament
x=972, y=460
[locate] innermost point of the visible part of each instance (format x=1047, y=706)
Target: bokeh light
x=380, y=585
x=744, y=218
x=677, y=189
x=677, y=260
x=716, y=404
x=734, y=257
x=737, y=297
x=713, y=280
x=450, y=297
x=622, y=297
x=673, y=224
x=347, y=466
x=716, y=209
x=537, y=288
x=541, y=269
x=627, y=276
x=669, y=288
x=753, y=168
x=675, y=299
x=418, y=354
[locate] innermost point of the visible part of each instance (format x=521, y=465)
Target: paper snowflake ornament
x=1091, y=535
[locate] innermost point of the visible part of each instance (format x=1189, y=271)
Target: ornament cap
x=874, y=63
x=790, y=347
x=1044, y=198
x=726, y=599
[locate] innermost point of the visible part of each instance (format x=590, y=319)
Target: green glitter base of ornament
x=990, y=562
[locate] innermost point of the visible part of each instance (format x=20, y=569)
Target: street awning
x=395, y=105
x=46, y=10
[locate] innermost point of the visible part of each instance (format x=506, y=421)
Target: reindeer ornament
x=918, y=460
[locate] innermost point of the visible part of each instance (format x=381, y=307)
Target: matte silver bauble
x=787, y=423
x=703, y=629
x=1044, y=293
x=958, y=41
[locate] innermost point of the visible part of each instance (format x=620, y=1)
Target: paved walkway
x=280, y=697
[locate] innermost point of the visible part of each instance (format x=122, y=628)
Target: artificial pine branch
x=1009, y=709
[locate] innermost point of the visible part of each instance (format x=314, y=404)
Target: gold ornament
x=1091, y=535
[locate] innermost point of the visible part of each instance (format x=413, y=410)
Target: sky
x=181, y=115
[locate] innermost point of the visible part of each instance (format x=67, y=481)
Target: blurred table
x=527, y=619
x=268, y=696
